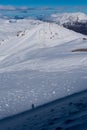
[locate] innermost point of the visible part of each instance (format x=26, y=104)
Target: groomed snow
x=37, y=64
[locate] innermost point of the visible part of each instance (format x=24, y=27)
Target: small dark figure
x=33, y=106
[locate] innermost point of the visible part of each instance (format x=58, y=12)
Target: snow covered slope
x=37, y=65
x=44, y=35
x=69, y=113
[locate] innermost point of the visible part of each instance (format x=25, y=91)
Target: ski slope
x=37, y=64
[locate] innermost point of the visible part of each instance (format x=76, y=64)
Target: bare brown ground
x=80, y=50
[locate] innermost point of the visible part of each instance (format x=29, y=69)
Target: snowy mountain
x=40, y=35
x=67, y=18
x=38, y=64
x=22, y=48
x=73, y=21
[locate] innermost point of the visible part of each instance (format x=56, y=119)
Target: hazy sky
x=43, y=2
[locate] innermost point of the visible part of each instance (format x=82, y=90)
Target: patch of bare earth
x=80, y=50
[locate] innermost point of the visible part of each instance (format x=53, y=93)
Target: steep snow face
x=68, y=18
x=37, y=65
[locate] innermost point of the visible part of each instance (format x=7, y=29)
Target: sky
x=43, y=2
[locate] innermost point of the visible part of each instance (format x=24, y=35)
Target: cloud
x=2, y=7
x=9, y=7
x=58, y=9
x=23, y=8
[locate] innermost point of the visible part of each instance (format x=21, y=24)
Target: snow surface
x=37, y=64
x=69, y=113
